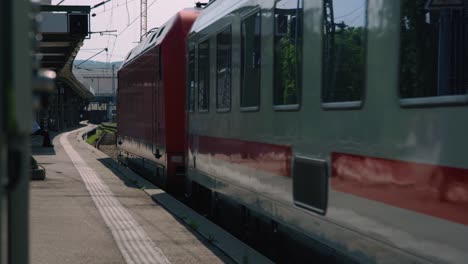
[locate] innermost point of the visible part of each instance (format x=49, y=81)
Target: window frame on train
x=191, y=87
x=153, y=38
x=206, y=40
x=256, y=14
x=430, y=89
x=160, y=31
x=298, y=43
x=223, y=30
x=336, y=103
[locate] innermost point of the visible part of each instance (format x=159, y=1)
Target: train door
x=190, y=106
x=159, y=172
x=161, y=105
x=155, y=106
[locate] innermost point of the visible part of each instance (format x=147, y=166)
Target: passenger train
x=341, y=121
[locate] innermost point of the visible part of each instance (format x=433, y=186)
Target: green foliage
x=288, y=60
x=345, y=75
x=350, y=66
x=418, y=42
x=106, y=127
x=92, y=139
x=110, y=125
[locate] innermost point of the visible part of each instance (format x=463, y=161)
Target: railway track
x=107, y=142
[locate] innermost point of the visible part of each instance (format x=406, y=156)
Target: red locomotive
x=151, y=104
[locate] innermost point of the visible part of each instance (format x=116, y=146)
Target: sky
x=114, y=15
x=352, y=12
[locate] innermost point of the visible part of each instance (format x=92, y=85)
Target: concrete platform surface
x=67, y=226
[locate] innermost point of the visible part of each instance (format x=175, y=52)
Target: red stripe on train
x=271, y=158
x=438, y=191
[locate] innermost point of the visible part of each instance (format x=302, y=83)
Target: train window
x=223, y=70
x=128, y=56
x=434, y=57
x=191, y=81
x=288, y=53
x=204, y=76
x=161, y=31
x=344, y=52
x=152, y=38
x=251, y=61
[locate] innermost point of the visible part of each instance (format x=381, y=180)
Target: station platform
x=88, y=211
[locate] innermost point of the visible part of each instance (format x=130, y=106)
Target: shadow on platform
x=37, y=140
x=118, y=170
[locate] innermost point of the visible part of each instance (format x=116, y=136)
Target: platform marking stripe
x=133, y=242
x=101, y=190
x=140, y=250
x=124, y=235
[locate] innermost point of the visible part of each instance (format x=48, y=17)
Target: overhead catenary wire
x=117, y=6
x=111, y=18
x=100, y=4
x=109, y=58
x=353, y=20
x=128, y=12
x=92, y=49
x=350, y=13
x=92, y=57
x=133, y=21
x=92, y=52
x=127, y=27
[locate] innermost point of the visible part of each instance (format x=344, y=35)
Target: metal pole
x=113, y=83
x=143, y=17
x=18, y=130
x=5, y=31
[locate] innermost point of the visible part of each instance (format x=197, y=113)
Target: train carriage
x=151, y=112
x=344, y=121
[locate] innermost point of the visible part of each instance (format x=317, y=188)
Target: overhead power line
x=350, y=13
x=127, y=27
x=128, y=12
x=100, y=4
x=92, y=49
x=111, y=18
x=133, y=21
x=117, y=6
x=92, y=57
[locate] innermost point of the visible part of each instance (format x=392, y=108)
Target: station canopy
x=63, y=30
